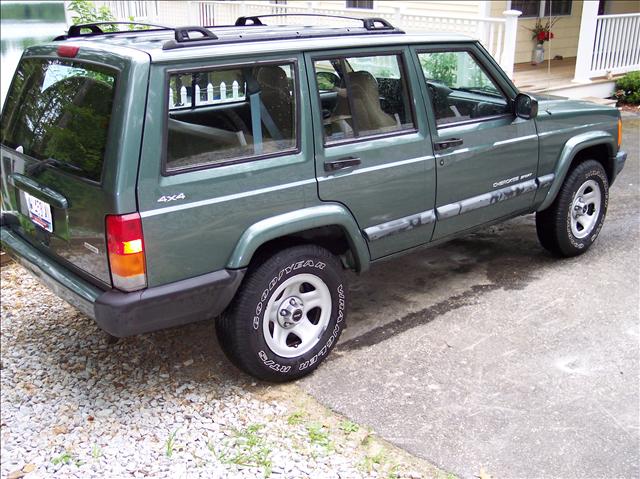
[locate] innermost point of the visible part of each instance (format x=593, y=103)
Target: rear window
x=59, y=111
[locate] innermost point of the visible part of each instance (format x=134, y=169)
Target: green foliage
x=86, y=12
x=319, y=436
x=628, y=88
x=170, y=444
x=295, y=418
x=440, y=66
x=348, y=427
x=249, y=448
x=51, y=12
x=65, y=458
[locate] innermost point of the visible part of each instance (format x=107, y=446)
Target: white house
x=596, y=39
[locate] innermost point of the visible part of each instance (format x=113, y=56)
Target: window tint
x=216, y=116
x=459, y=88
x=362, y=96
x=60, y=111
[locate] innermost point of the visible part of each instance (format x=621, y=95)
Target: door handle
x=448, y=143
x=347, y=162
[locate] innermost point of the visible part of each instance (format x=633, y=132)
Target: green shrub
x=628, y=88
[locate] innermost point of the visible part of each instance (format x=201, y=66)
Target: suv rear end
x=70, y=146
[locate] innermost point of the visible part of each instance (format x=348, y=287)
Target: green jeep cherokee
x=158, y=177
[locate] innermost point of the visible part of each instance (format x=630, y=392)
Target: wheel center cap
x=580, y=208
x=290, y=312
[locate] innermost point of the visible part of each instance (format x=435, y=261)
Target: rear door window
x=230, y=114
x=58, y=111
x=363, y=96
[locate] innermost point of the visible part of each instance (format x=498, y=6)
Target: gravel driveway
x=161, y=405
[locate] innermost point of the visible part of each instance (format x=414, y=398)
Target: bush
x=628, y=88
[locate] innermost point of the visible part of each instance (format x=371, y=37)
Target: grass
x=348, y=427
x=170, y=444
x=96, y=452
x=370, y=461
x=66, y=458
x=249, y=449
x=295, y=418
x=319, y=436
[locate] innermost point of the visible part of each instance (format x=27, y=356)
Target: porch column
x=586, y=39
x=509, y=45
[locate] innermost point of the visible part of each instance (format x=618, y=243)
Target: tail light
x=125, y=244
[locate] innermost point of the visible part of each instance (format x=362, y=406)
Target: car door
x=372, y=146
x=486, y=157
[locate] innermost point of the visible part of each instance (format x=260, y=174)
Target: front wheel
x=574, y=220
x=287, y=315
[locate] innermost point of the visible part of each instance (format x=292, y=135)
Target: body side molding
x=398, y=225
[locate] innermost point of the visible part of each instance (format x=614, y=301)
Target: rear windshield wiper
x=37, y=167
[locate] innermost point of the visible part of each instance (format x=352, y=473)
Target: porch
x=556, y=77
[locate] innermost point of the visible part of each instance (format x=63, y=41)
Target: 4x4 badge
x=167, y=198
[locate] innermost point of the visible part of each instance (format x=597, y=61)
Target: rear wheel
x=574, y=220
x=287, y=316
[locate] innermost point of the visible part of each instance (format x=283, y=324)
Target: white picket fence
x=210, y=95
x=617, y=44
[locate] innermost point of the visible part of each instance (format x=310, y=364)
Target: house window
x=365, y=4
x=542, y=8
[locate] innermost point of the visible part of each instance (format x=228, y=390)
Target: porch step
x=600, y=101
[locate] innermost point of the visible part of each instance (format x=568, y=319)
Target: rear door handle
x=347, y=162
x=448, y=143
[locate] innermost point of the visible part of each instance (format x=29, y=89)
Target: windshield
x=58, y=111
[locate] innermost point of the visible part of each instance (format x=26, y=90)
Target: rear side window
x=231, y=114
x=362, y=96
x=59, y=111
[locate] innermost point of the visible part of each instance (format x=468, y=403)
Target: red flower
x=541, y=36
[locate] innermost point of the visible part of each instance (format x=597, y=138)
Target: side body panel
x=566, y=128
x=198, y=233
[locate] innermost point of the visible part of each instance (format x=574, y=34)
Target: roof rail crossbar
x=182, y=37
x=76, y=30
x=372, y=23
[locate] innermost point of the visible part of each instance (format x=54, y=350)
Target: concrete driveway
x=488, y=354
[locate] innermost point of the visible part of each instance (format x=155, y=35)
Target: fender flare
x=571, y=148
x=295, y=222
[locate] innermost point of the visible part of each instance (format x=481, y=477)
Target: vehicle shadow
x=383, y=304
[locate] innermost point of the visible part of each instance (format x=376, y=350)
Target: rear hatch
x=56, y=151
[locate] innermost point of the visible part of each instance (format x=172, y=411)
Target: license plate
x=39, y=212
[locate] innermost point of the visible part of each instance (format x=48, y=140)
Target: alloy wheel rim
x=585, y=209
x=297, y=315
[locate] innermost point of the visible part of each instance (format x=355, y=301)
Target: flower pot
x=537, y=55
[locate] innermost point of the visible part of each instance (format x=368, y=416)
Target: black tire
x=241, y=328
x=554, y=225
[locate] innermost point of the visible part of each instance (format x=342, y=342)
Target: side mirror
x=525, y=107
x=327, y=80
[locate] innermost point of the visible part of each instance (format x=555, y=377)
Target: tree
x=86, y=12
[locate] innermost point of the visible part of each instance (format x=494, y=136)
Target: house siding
x=566, y=33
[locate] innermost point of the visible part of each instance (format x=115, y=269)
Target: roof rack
x=287, y=32
x=76, y=30
x=371, y=23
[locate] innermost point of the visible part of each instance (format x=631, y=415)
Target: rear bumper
x=126, y=314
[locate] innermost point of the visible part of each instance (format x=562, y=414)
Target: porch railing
x=617, y=44
x=498, y=35
x=608, y=44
